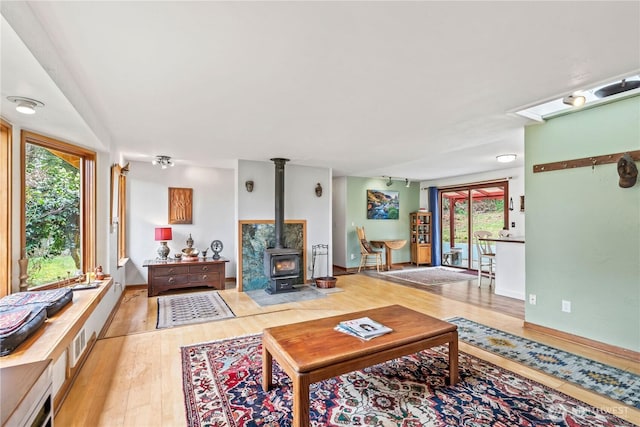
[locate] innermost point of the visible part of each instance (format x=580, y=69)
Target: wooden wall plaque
x=180, y=205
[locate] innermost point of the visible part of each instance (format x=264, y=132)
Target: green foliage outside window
x=52, y=215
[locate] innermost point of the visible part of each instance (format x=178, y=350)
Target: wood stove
x=281, y=265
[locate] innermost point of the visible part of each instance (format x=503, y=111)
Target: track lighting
x=407, y=183
x=163, y=161
x=574, y=100
x=389, y=182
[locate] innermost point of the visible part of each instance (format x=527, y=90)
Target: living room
x=582, y=228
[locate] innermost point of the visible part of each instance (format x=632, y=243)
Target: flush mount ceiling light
x=25, y=105
x=616, y=88
x=506, y=158
x=163, y=161
x=574, y=100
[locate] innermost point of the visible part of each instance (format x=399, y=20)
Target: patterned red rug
x=222, y=387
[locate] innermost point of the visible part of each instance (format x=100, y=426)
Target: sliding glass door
x=455, y=228
x=466, y=209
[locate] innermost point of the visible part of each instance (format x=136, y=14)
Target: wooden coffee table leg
x=301, y=400
x=267, y=368
x=453, y=359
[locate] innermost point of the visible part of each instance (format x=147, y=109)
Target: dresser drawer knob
x=204, y=277
x=205, y=268
x=171, y=280
x=171, y=270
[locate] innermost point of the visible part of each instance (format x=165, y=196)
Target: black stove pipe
x=279, y=199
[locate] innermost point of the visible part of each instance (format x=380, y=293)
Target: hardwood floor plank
x=133, y=376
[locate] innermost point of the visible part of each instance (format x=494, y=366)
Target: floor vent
x=77, y=348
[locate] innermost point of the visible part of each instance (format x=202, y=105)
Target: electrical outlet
x=353, y=256
x=532, y=299
x=566, y=306
x=513, y=224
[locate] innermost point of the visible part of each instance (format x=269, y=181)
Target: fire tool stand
x=318, y=251
x=325, y=281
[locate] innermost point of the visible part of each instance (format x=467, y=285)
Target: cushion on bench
x=53, y=299
x=15, y=328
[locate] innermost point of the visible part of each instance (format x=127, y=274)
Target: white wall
x=148, y=208
x=516, y=189
x=339, y=221
x=300, y=201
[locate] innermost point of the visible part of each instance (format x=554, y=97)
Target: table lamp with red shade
x=163, y=234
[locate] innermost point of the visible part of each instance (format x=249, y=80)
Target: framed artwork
x=180, y=205
x=383, y=204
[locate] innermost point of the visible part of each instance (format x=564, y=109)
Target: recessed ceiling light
x=506, y=158
x=25, y=105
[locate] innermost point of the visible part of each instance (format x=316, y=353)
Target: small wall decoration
x=627, y=171
x=383, y=204
x=180, y=205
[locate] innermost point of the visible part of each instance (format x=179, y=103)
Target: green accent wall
x=378, y=229
x=582, y=228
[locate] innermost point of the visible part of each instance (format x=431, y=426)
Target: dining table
x=388, y=245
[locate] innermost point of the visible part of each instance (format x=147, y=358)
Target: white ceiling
x=417, y=90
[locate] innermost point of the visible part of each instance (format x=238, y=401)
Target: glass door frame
x=468, y=188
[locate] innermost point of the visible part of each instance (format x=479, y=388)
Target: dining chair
x=368, y=257
x=486, y=255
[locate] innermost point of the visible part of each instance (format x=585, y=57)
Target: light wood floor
x=133, y=375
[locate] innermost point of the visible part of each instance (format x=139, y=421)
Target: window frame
x=88, y=197
x=118, y=208
x=6, y=150
x=504, y=183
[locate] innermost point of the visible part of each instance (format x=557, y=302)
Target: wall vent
x=77, y=347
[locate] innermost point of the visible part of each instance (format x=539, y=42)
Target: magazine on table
x=363, y=327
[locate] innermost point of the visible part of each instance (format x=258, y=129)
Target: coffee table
x=313, y=351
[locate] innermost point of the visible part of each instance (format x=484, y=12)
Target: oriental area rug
x=222, y=387
x=609, y=381
x=430, y=275
x=187, y=309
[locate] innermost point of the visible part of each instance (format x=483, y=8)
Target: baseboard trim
x=607, y=348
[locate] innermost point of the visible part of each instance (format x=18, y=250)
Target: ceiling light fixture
x=407, y=183
x=25, y=105
x=389, y=182
x=506, y=158
x=616, y=88
x=163, y=161
x=574, y=100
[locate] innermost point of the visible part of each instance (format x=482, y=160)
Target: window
x=58, y=215
x=5, y=211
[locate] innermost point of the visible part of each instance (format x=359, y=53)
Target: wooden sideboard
x=165, y=275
